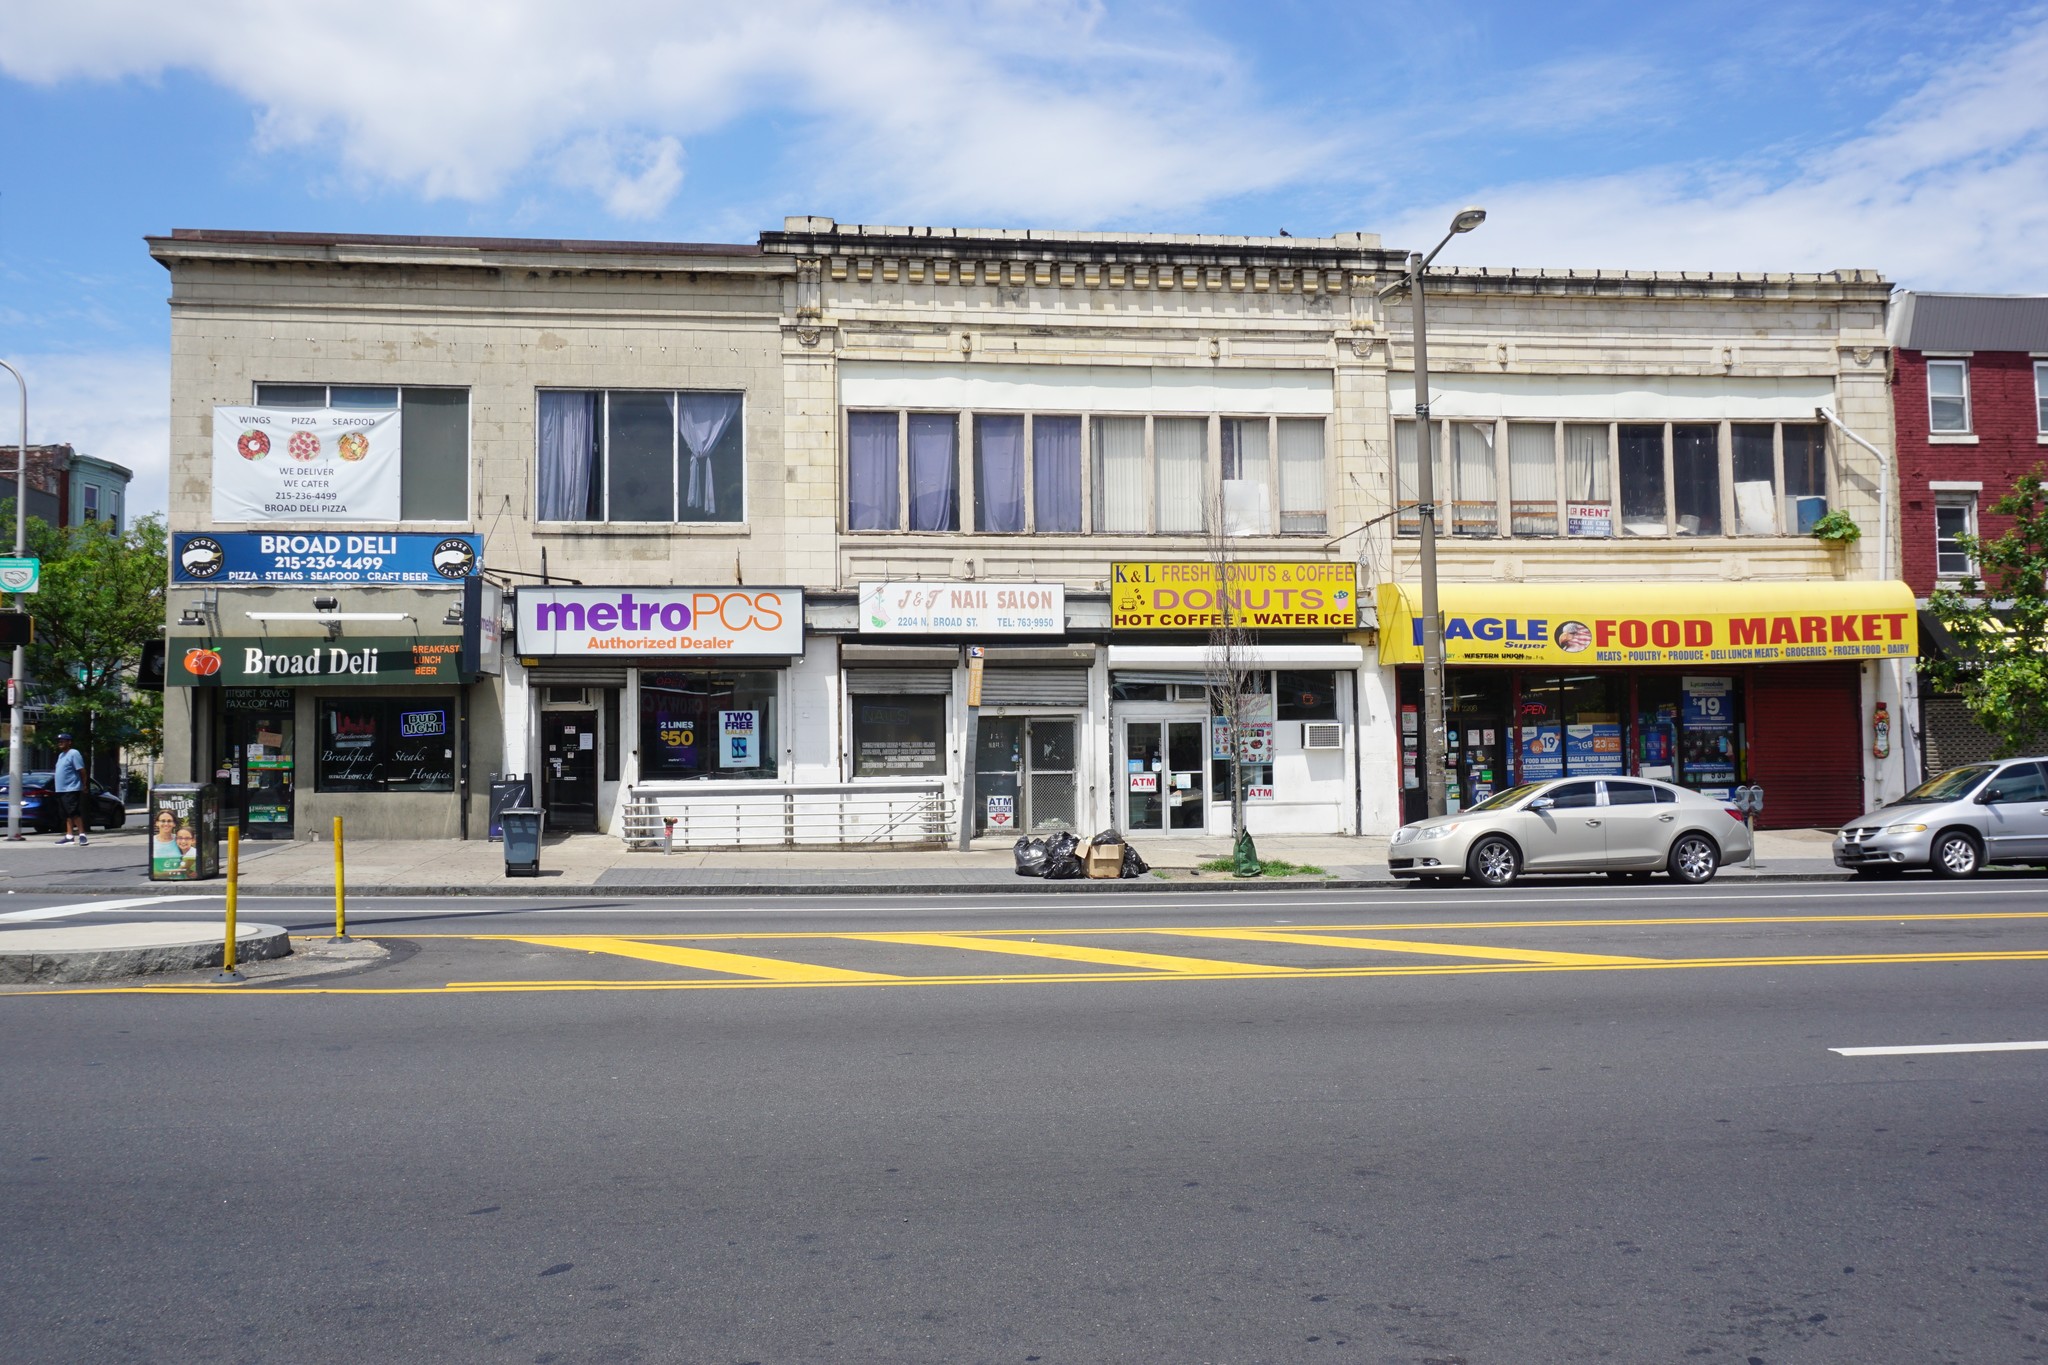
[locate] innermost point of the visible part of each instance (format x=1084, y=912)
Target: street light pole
x=20, y=674
x=1435, y=751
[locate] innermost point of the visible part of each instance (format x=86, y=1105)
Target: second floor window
x=1955, y=515
x=433, y=440
x=1054, y=473
x=634, y=455
x=1948, y=396
x=2041, y=396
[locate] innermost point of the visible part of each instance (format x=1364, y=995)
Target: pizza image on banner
x=342, y=465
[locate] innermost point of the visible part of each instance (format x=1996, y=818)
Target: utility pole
x=15, y=733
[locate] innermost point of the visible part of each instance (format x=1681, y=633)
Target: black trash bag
x=1030, y=855
x=1134, y=866
x=1108, y=837
x=1061, y=864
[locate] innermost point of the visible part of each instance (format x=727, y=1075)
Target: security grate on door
x=1952, y=735
x=1052, y=801
x=1035, y=687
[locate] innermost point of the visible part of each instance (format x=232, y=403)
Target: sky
x=1782, y=135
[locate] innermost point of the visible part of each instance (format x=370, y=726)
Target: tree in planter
x=1999, y=621
x=101, y=601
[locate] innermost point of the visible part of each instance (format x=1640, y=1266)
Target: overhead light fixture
x=327, y=604
x=328, y=615
x=454, y=616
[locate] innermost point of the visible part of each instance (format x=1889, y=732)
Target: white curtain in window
x=1586, y=481
x=701, y=420
x=1247, y=479
x=568, y=457
x=1407, y=475
x=1304, y=497
x=1477, y=506
x=1532, y=478
x=1119, y=473
x=1181, y=446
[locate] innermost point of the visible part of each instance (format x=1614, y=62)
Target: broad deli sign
x=735, y=621
x=273, y=662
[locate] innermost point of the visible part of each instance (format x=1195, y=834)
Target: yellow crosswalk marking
x=1399, y=945
x=1067, y=952
x=735, y=964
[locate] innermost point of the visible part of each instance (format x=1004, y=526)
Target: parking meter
x=1750, y=801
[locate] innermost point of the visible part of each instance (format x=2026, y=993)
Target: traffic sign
x=20, y=575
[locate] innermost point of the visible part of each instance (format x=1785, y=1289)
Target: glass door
x=1051, y=791
x=998, y=773
x=258, y=731
x=1165, y=774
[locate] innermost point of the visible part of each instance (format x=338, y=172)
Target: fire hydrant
x=668, y=834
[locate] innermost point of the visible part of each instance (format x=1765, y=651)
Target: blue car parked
x=40, y=810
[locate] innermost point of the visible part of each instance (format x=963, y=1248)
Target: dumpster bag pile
x=1062, y=857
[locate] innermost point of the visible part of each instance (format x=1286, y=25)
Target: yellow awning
x=1645, y=624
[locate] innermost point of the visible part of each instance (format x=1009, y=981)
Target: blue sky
x=1755, y=136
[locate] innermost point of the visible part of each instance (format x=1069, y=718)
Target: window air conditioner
x=1322, y=734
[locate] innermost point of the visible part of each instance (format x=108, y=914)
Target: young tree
x=101, y=601
x=1237, y=691
x=1999, y=621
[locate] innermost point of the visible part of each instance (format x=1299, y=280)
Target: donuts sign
x=324, y=465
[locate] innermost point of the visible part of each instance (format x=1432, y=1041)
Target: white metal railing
x=706, y=815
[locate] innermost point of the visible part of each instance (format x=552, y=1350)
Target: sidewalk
x=596, y=864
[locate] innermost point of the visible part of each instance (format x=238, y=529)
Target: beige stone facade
x=1207, y=340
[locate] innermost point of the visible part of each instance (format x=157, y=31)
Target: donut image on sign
x=305, y=446
x=353, y=445
x=254, y=444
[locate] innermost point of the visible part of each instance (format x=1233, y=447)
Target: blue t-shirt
x=70, y=771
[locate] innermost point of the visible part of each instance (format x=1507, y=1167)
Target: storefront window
x=1307, y=696
x=708, y=725
x=386, y=744
x=1571, y=725
x=899, y=736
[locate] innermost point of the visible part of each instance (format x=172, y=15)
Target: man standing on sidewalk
x=71, y=790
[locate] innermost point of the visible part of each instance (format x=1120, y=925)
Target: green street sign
x=20, y=575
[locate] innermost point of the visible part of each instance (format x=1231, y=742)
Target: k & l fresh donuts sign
x=305, y=464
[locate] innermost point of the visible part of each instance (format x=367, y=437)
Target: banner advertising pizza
x=305, y=464
x=1263, y=595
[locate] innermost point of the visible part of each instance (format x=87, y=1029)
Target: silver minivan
x=1955, y=823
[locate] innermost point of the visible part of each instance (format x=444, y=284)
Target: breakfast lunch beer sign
x=324, y=465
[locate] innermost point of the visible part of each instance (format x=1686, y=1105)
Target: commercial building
x=866, y=534
x=1969, y=384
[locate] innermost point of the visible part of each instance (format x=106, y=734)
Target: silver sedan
x=1619, y=825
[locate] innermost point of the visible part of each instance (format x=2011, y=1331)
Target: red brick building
x=1970, y=415
x=1970, y=409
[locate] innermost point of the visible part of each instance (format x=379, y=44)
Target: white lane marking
x=1938, y=1047
x=91, y=907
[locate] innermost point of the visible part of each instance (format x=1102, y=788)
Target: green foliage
x=2000, y=624
x=102, y=599
x=1837, y=528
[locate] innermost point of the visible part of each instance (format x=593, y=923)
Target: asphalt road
x=1560, y=1123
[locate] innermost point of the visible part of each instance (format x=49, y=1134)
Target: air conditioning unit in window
x=1322, y=734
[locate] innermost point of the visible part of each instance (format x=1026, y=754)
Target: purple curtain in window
x=1056, y=472
x=569, y=488
x=934, y=471
x=701, y=419
x=998, y=473
x=871, y=471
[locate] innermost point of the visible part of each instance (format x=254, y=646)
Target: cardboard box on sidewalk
x=1104, y=860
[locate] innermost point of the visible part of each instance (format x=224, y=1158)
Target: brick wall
x=2008, y=444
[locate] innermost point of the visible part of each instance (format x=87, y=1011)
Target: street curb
x=531, y=890
x=71, y=953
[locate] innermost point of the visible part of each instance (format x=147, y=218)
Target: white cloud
x=1018, y=109
x=1949, y=190
x=113, y=404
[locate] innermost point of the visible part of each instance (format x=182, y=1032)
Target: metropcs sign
x=670, y=620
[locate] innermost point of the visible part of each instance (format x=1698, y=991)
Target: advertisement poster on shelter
x=1708, y=731
x=305, y=464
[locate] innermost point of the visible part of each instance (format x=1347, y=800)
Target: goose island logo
x=202, y=557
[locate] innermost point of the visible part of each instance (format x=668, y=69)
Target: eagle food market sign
x=305, y=464
x=274, y=662
x=1187, y=594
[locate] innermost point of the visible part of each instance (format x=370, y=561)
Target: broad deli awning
x=1648, y=624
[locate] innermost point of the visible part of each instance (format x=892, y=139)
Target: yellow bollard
x=340, y=893
x=227, y=957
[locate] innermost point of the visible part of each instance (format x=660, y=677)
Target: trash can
x=184, y=832
x=522, y=840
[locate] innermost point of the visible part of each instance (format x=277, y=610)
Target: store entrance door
x=256, y=729
x=1028, y=764
x=1165, y=770
x=569, y=769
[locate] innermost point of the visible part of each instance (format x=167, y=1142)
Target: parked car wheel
x=1494, y=861
x=1694, y=859
x=1955, y=854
